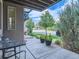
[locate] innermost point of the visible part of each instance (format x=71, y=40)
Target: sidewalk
x=41, y=51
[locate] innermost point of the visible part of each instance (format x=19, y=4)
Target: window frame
x=8, y=18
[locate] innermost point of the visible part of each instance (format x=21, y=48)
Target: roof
x=39, y=5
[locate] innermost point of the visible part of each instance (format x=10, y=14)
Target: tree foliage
x=46, y=21
x=30, y=25
x=69, y=26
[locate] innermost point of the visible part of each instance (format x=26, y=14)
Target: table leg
x=3, y=54
x=15, y=52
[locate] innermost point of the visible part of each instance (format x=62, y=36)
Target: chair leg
x=3, y=54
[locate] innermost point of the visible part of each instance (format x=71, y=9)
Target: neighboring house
x=11, y=16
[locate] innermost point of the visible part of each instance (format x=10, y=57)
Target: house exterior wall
x=1, y=18
x=0, y=15
x=18, y=33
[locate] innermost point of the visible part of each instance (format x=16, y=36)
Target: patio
x=36, y=50
x=12, y=21
x=11, y=27
x=41, y=51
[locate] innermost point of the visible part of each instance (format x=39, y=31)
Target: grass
x=54, y=37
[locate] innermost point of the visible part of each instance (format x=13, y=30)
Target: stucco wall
x=18, y=33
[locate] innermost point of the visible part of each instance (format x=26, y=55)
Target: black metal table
x=4, y=45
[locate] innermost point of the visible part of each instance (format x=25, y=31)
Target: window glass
x=11, y=17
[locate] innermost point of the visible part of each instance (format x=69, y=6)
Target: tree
x=30, y=25
x=46, y=21
x=69, y=26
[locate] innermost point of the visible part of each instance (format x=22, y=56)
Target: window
x=11, y=18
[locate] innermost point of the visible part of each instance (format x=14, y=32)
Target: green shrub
x=42, y=36
x=49, y=37
x=58, y=42
x=37, y=36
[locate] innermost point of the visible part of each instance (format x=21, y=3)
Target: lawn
x=55, y=38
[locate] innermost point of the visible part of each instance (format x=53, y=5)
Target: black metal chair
x=8, y=52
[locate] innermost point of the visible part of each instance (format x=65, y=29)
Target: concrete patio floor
x=41, y=51
x=36, y=50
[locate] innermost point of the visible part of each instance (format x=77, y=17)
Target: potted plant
x=48, y=40
x=42, y=38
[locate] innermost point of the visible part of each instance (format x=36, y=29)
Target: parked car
x=58, y=33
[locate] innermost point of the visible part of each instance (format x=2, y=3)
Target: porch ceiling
x=35, y=4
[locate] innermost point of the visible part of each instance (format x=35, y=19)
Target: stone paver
x=41, y=51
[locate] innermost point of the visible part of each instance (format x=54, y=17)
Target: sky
x=53, y=10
